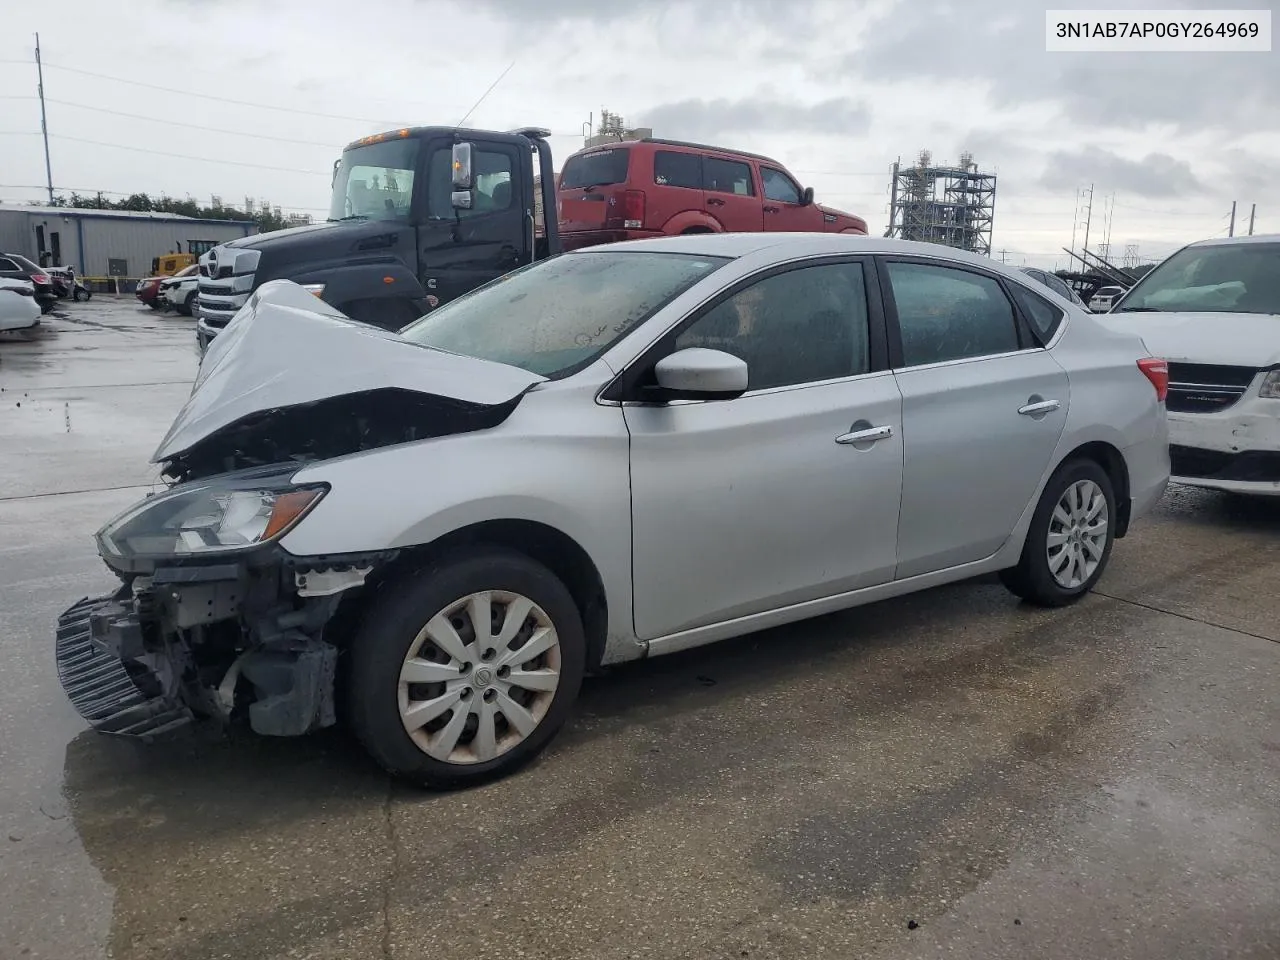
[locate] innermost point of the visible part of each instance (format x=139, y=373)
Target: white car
x=179, y=293
x=1213, y=311
x=621, y=452
x=1102, y=301
x=18, y=307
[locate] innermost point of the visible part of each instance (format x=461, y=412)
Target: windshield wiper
x=1137, y=310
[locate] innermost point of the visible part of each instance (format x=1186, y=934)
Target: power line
x=194, y=126
x=184, y=156
x=207, y=96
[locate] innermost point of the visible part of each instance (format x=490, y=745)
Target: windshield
x=1226, y=278
x=555, y=317
x=596, y=169
x=375, y=182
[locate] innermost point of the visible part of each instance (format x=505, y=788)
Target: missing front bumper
x=112, y=697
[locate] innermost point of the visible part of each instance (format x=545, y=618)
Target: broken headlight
x=203, y=518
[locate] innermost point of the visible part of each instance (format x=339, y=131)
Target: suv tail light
x=632, y=209
x=39, y=278
x=1157, y=371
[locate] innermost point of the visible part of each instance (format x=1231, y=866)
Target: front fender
x=559, y=459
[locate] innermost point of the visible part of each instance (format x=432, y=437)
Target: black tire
x=155, y=305
x=75, y=295
x=1031, y=579
x=185, y=309
x=401, y=608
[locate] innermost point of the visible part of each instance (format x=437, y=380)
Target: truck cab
x=418, y=216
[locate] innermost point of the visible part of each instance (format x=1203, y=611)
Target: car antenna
x=485, y=94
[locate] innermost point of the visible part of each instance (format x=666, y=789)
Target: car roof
x=1232, y=241
x=787, y=245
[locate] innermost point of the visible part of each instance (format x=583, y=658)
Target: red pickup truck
x=651, y=188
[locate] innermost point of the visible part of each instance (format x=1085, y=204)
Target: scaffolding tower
x=951, y=205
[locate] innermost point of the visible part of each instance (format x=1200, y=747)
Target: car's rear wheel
x=1070, y=538
x=464, y=671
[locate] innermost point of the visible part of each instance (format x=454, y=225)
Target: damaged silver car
x=624, y=451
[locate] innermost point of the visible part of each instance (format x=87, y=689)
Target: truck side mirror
x=806, y=197
x=462, y=197
x=462, y=166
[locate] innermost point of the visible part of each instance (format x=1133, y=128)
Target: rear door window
x=8, y=265
x=727, y=176
x=671, y=169
x=598, y=168
x=945, y=313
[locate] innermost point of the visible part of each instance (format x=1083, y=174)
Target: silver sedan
x=617, y=453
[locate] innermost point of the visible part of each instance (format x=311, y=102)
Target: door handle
x=715, y=201
x=1039, y=407
x=770, y=209
x=869, y=435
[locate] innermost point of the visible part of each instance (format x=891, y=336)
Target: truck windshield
x=375, y=181
x=1217, y=278
x=555, y=317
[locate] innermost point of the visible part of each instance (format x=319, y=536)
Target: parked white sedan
x=1213, y=310
x=18, y=307
x=616, y=453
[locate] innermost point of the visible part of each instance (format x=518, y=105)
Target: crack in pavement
x=1184, y=616
x=393, y=874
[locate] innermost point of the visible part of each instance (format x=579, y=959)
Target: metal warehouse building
x=108, y=243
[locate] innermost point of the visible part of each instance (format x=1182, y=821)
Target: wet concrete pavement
x=950, y=774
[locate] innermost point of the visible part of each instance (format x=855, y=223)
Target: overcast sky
x=836, y=89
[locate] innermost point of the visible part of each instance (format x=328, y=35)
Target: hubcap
x=479, y=677
x=1077, y=534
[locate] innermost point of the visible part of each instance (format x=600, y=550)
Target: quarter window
x=727, y=176
x=8, y=265
x=801, y=326
x=671, y=169
x=1043, y=316
x=949, y=314
x=778, y=186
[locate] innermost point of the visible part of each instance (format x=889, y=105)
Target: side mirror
x=461, y=199
x=806, y=197
x=462, y=166
x=697, y=373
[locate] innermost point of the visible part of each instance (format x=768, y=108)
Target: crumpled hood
x=286, y=347
x=1231, y=339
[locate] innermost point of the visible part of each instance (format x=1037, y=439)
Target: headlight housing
x=206, y=518
x=1270, y=386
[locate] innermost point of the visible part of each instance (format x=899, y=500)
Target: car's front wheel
x=1070, y=538
x=464, y=671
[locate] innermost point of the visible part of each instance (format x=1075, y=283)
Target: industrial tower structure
x=951, y=205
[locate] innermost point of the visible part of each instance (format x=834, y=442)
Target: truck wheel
x=463, y=671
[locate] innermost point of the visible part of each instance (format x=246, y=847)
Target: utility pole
x=1252, y=210
x=1088, y=219
x=1231, y=230
x=44, y=123
x=1075, y=222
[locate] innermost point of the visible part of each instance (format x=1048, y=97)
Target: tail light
x=1157, y=371
x=39, y=278
x=632, y=209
